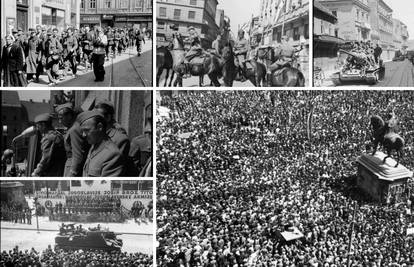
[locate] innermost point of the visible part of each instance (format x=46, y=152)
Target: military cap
x=241, y=31
x=106, y=105
x=20, y=29
x=55, y=29
x=62, y=106
x=49, y=32
x=43, y=117
x=31, y=30
x=86, y=115
x=14, y=31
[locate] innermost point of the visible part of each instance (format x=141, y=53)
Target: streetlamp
x=37, y=217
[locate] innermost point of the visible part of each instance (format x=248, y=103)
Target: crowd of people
x=27, y=55
x=79, y=258
x=138, y=210
x=236, y=168
x=15, y=213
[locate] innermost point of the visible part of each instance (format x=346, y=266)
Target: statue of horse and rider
x=231, y=64
x=384, y=134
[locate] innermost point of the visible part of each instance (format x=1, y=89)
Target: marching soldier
x=52, y=49
x=53, y=152
x=76, y=147
x=141, y=148
x=114, y=130
x=98, y=56
x=33, y=53
x=104, y=158
x=240, y=50
x=70, y=45
x=111, y=43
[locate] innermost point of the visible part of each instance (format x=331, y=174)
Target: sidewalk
x=132, y=51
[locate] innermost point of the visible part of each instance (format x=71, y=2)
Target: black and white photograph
x=285, y=178
x=76, y=223
x=233, y=43
x=76, y=133
x=363, y=43
x=76, y=43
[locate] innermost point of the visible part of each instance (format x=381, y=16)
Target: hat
x=62, y=106
x=43, y=117
x=14, y=31
x=20, y=29
x=49, y=32
x=31, y=30
x=241, y=31
x=86, y=115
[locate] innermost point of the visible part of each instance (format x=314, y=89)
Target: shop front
x=90, y=20
x=53, y=17
x=141, y=21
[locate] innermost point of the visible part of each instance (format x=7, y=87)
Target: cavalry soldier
x=240, y=50
x=52, y=49
x=76, y=147
x=98, y=56
x=285, y=53
x=141, y=148
x=53, y=151
x=114, y=130
x=70, y=45
x=216, y=45
x=195, y=49
x=104, y=158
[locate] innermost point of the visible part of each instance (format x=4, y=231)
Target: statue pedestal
x=382, y=181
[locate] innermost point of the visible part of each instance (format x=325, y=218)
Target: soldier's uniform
x=104, y=159
x=70, y=45
x=195, y=49
x=141, y=150
x=52, y=49
x=76, y=148
x=241, y=48
x=118, y=135
x=285, y=53
x=98, y=56
x=53, y=152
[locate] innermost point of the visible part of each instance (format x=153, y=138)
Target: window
x=82, y=5
x=160, y=25
x=124, y=3
x=191, y=14
x=75, y=183
x=92, y=3
x=139, y=4
x=107, y=3
x=163, y=11
x=193, y=2
x=177, y=13
x=306, y=31
x=296, y=35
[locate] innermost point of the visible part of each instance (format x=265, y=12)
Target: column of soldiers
x=16, y=215
x=94, y=145
x=26, y=56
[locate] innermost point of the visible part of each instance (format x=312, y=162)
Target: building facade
x=383, y=25
x=117, y=13
x=27, y=14
x=200, y=14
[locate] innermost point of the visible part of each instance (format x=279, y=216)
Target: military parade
x=235, y=51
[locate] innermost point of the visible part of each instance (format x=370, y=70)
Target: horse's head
x=177, y=42
x=377, y=122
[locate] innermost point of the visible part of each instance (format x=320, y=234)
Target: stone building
x=117, y=13
x=200, y=14
x=27, y=14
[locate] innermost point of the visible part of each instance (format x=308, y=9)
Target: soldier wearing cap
x=53, y=151
x=240, y=50
x=75, y=145
x=195, y=43
x=104, y=158
x=51, y=55
x=141, y=148
x=70, y=46
x=98, y=56
x=114, y=130
x=285, y=53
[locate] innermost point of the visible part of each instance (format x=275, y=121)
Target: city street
x=397, y=73
x=125, y=70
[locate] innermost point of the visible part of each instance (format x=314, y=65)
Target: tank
x=70, y=238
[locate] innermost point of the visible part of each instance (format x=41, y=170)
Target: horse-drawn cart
x=358, y=68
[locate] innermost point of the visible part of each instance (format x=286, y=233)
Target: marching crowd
x=15, y=213
x=236, y=168
x=79, y=258
x=27, y=55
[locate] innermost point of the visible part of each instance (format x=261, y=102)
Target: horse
x=229, y=68
x=388, y=139
x=210, y=64
x=164, y=62
x=287, y=76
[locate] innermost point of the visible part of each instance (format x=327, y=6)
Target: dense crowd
x=79, y=258
x=236, y=168
x=27, y=55
x=15, y=212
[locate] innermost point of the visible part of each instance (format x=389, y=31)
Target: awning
x=328, y=39
x=318, y=6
